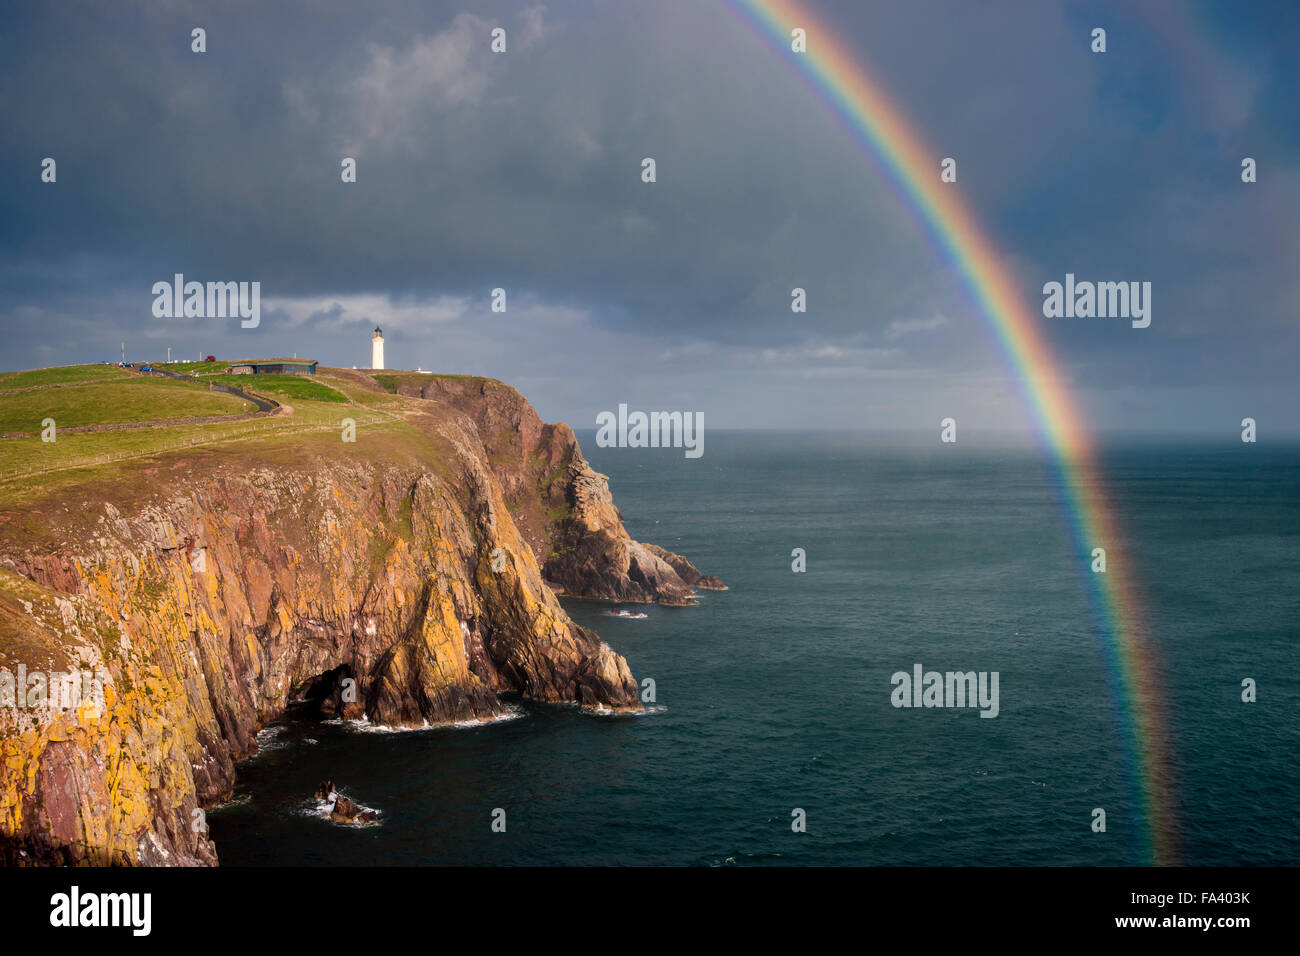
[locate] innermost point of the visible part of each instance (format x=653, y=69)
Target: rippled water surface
x=775, y=695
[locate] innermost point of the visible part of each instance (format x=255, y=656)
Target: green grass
x=31, y=469
x=60, y=376
x=108, y=453
x=195, y=368
x=392, y=381
x=290, y=386
x=132, y=399
x=360, y=393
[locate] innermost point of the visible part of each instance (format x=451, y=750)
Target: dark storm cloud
x=522, y=171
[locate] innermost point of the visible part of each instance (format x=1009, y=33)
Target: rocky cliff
x=403, y=577
x=563, y=507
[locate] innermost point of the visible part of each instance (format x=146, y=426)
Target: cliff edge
x=408, y=576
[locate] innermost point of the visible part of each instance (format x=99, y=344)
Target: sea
x=773, y=737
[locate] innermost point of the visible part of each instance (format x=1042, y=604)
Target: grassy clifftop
x=134, y=399
x=134, y=416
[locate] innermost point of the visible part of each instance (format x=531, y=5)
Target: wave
x=607, y=712
x=363, y=724
x=271, y=738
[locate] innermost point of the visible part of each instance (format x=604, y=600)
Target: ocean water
x=775, y=695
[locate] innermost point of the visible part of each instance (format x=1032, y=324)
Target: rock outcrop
x=404, y=578
x=344, y=810
x=563, y=507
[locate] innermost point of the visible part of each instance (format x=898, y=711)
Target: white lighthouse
x=377, y=349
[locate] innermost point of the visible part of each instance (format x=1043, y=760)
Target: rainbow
x=879, y=126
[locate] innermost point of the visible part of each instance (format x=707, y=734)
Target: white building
x=377, y=349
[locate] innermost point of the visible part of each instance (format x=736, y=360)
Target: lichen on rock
x=410, y=580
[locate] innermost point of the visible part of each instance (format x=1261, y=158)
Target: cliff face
x=564, y=508
x=398, y=578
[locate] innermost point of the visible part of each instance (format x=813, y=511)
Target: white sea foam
x=318, y=809
x=270, y=738
x=363, y=725
x=609, y=712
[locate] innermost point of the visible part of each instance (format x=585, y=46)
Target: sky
x=523, y=171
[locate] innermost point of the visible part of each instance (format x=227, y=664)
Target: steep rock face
x=564, y=508
x=217, y=587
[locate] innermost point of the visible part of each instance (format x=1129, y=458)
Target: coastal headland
x=384, y=544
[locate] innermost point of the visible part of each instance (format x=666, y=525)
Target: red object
x=210, y=358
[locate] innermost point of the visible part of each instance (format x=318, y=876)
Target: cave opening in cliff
x=327, y=694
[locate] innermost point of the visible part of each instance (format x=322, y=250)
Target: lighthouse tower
x=377, y=349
